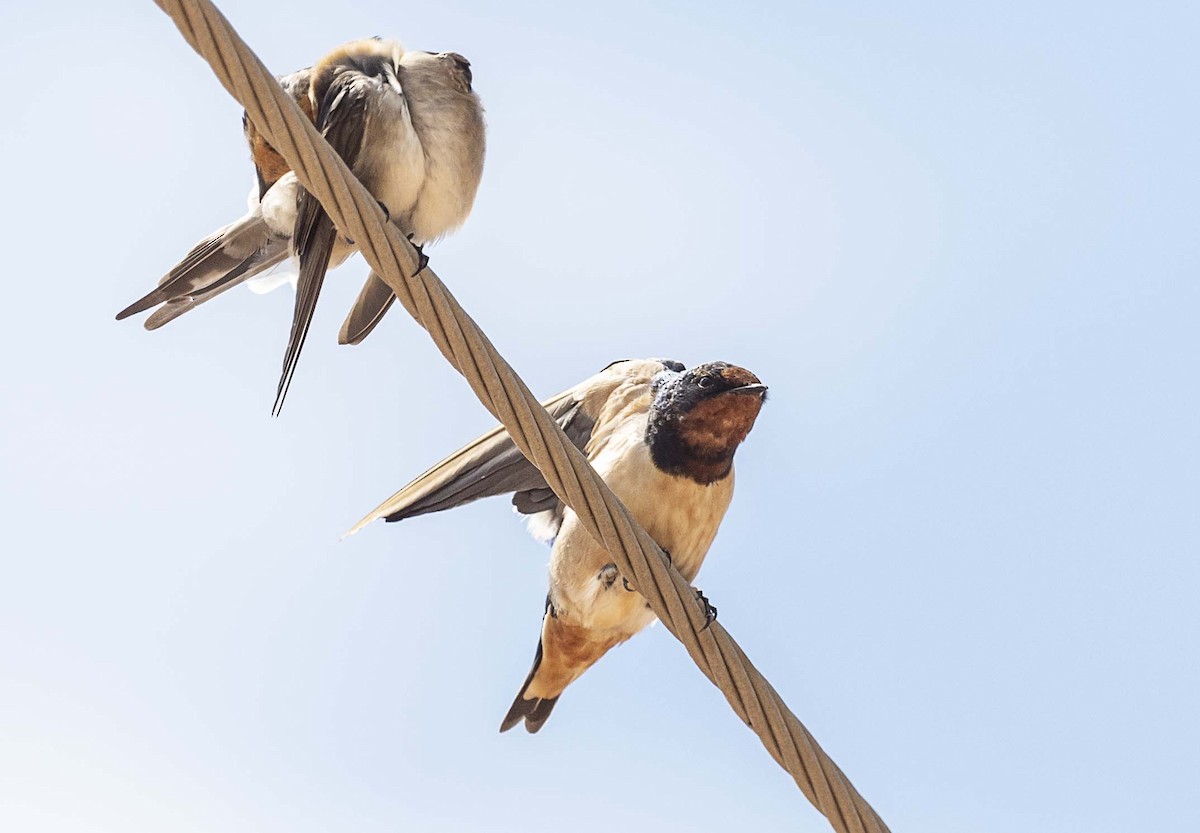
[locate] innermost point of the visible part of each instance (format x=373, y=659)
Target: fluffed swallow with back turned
x=663, y=438
x=410, y=127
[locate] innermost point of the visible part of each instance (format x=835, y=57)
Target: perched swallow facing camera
x=410, y=127
x=663, y=438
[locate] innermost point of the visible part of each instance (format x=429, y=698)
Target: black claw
x=667, y=553
x=422, y=258
x=386, y=214
x=625, y=581
x=710, y=611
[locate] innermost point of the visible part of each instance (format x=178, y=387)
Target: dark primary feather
x=340, y=118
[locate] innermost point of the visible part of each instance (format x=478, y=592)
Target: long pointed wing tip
x=357, y=527
x=350, y=334
x=137, y=306
x=344, y=334
x=280, y=395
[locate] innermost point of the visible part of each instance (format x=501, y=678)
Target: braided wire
x=357, y=215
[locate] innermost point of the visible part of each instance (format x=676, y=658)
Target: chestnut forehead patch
x=739, y=376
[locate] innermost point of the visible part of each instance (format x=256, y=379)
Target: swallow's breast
x=681, y=516
x=392, y=162
x=450, y=127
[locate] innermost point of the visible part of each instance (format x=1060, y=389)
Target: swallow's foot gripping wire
x=387, y=215
x=608, y=575
x=710, y=610
x=422, y=258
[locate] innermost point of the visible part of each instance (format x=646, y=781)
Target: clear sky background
x=959, y=243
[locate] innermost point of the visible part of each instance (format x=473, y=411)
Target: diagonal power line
x=356, y=213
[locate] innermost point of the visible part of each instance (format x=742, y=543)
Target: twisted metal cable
x=357, y=215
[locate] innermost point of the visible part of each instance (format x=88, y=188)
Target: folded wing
x=222, y=260
x=491, y=465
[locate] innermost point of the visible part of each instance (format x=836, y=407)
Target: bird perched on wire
x=410, y=127
x=663, y=438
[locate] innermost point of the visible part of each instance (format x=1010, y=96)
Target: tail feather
x=534, y=711
x=315, y=240
x=373, y=302
x=341, y=116
x=225, y=258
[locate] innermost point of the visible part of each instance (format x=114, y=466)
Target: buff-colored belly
x=681, y=516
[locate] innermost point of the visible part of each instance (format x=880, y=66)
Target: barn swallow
x=410, y=127
x=663, y=438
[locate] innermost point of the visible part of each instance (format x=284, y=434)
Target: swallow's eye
x=705, y=382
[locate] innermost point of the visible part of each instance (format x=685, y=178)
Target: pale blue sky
x=959, y=243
